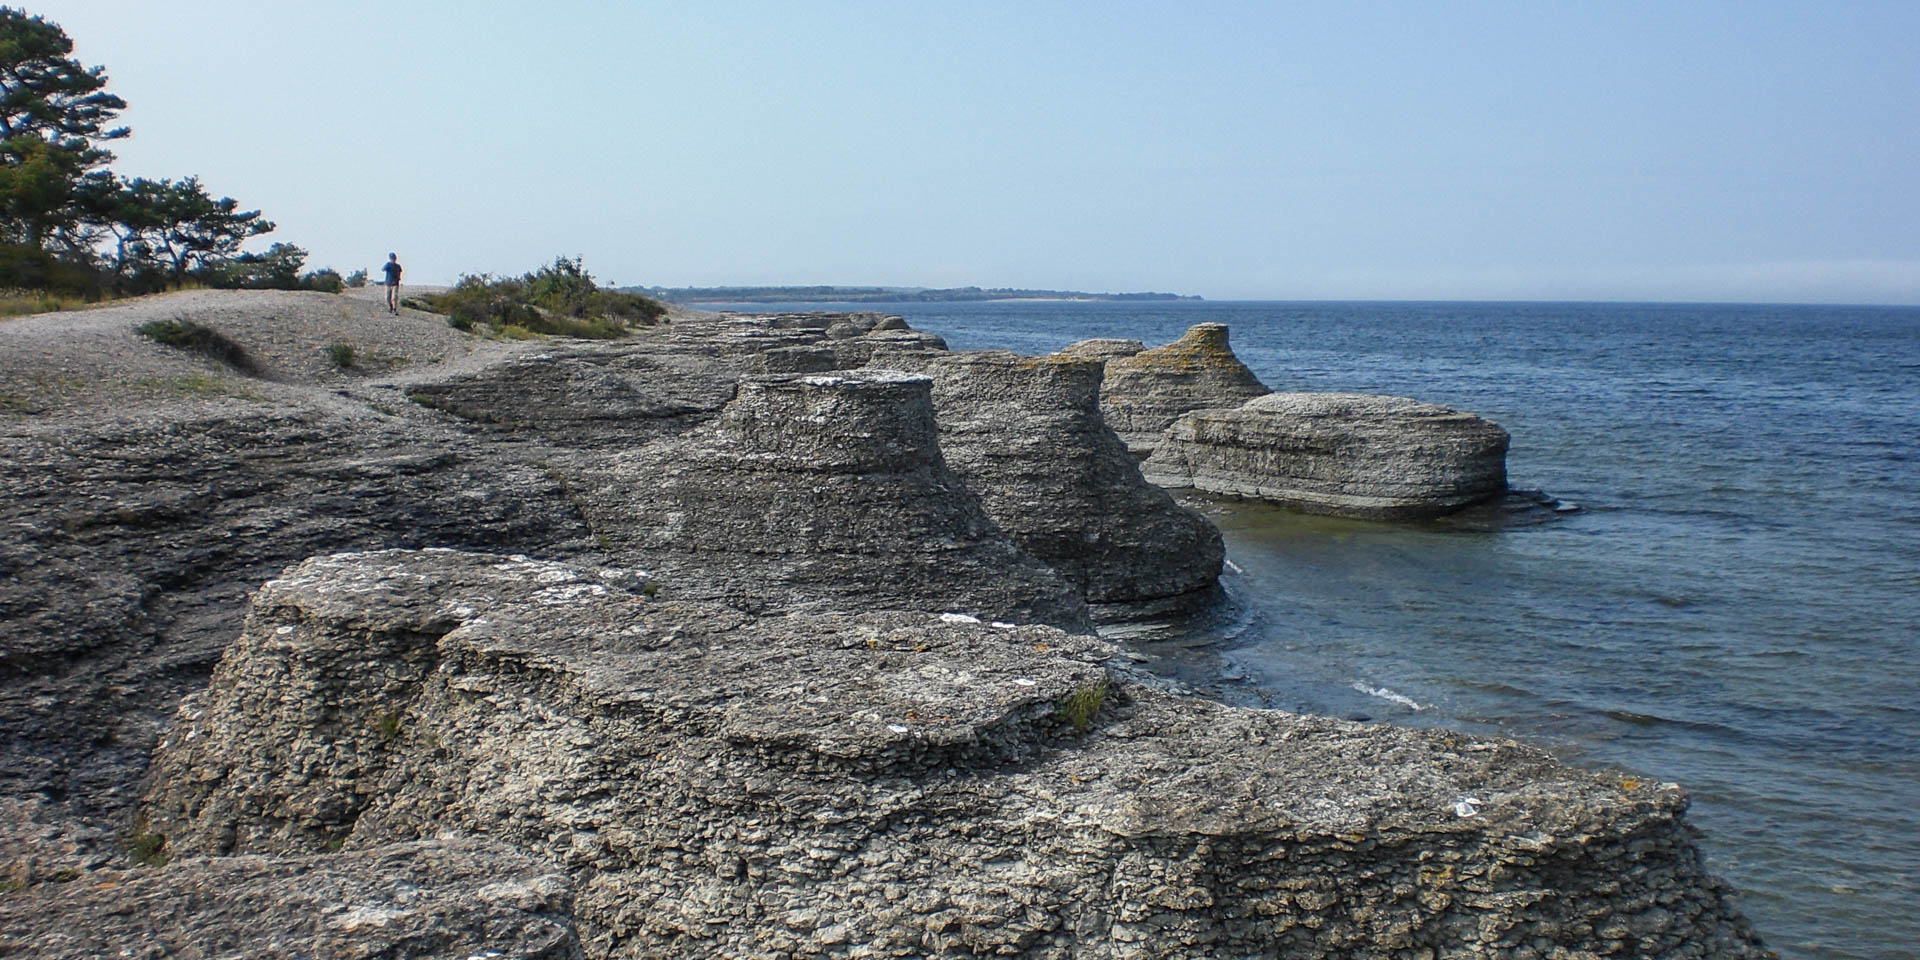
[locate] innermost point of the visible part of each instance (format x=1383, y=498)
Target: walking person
x=392, y=270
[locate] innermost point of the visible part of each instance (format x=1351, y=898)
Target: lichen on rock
x=1145, y=392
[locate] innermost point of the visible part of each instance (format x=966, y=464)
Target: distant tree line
x=69, y=224
x=832, y=294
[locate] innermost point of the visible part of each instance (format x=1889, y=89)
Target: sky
x=1724, y=151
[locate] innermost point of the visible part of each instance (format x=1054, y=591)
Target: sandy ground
x=94, y=363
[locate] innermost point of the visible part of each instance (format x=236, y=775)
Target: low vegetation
x=1078, y=708
x=206, y=341
x=558, y=300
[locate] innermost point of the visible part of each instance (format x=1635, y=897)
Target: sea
x=1735, y=607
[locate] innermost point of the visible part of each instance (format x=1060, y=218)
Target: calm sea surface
x=1737, y=608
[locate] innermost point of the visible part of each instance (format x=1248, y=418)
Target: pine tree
x=54, y=113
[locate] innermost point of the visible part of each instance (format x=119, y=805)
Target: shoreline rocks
x=817, y=490
x=1351, y=455
x=1025, y=433
x=1144, y=392
x=894, y=785
x=808, y=728
x=422, y=899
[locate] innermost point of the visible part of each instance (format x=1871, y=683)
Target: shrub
x=357, y=279
x=28, y=268
x=325, y=280
x=558, y=300
x=341, y=354
x=190, y=336
x=1082, y=705
x=148, y=849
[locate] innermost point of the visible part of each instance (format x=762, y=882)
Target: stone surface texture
x=455, y=899
x=1026, y=434
x=783, y=739
x=827, y=489
x=891, y=785
x=1352, y=455
x=1145, y=392
x=1102, y=348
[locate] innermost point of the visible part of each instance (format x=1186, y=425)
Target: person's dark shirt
x=393, y=273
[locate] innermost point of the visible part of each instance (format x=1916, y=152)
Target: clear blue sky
x=1537, y=150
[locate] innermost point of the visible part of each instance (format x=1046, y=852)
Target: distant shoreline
x=837, y=294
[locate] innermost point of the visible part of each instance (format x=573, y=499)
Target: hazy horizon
x=1625, y=152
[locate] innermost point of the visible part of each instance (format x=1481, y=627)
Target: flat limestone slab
x=1352, y=455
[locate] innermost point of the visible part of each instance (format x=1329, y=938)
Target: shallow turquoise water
x=1735, y=610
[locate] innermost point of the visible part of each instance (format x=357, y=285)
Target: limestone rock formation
x=601, y=395
x=1145, y=392
x=133, y=543
x=893, y=785
x=1351, y=455
x=453, y=899
x=661, y=381
x=814, y=489
x=1025, y=434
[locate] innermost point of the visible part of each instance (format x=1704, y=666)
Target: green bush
x=558, y=300
x=325, y=280
x=190, y=336
x=342, y=354
x=1082, y=705
x=357, y=279
x=28, y=268
x=148, y=849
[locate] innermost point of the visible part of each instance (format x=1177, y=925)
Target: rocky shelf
x=745, y=636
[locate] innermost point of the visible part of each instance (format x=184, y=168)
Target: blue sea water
x=1737, y=608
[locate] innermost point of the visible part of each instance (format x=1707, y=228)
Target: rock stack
x=1025, y=434
x=819, y=489
x=1351, y=455
x=887, y=785
x=1146, y=391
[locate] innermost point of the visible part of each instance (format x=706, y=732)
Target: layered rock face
x=1146, y=391
x=893, y=785
x=133, y=543
x=661, y=382
x=460, y=898
x=817, y=489
x=1025, y=433
x=1352, y=455
x=599, y=396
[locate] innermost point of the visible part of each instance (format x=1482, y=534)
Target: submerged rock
x=1145, y=392
x=1025, y=434
x=893, y=785
x=817, y=489
x=1351, y=455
